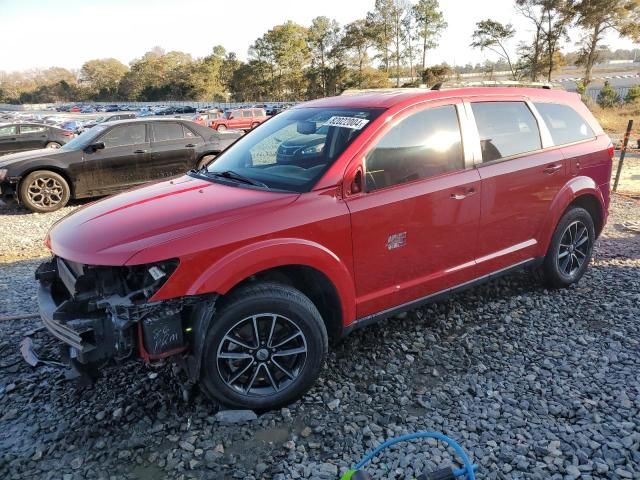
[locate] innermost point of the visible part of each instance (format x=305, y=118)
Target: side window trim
x=545, y=134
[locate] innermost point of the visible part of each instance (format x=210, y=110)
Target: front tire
x=221, y=128
x=265, y=347
x=53, y=145
x=44, y=191
x=570, y=250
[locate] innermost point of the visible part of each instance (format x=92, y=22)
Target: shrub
x=608, y=97
x=633, y=95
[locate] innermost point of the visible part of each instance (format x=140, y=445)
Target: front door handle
x=461, y=196
x=551, y=169
x=139, y=151
x=190, y=145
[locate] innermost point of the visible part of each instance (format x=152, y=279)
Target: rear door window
x=564, y=123
x=506, y=129
x=163, y=131
x=246, y=113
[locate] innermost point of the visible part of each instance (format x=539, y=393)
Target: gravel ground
x=533, y=383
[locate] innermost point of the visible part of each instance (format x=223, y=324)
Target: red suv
x=240, y=119
x=242, y=271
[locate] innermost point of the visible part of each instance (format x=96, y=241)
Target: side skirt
x=437, y=296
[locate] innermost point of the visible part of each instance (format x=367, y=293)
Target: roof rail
x=494, y=83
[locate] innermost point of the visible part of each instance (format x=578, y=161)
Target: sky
x=45, y=33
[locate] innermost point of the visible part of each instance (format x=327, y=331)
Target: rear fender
x=575, y=188
x=249, y=260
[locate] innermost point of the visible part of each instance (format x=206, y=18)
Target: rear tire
x=44, y=191
x=53, y=145
x=570, y=250
x=265, y=348
x=254, y=125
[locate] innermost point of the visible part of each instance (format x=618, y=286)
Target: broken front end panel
x=103, y=313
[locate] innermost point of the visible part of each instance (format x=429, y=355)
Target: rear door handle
x=139, y=151
x=467, y=193
x=552, y=169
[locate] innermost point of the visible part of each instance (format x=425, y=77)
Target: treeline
x=388, y=47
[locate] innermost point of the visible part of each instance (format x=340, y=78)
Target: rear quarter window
x=564, y=123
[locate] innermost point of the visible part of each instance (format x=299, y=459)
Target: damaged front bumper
x=104, y=313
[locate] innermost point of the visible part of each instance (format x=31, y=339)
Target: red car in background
x=376, y=204
x=75, y=109
x=240, y=119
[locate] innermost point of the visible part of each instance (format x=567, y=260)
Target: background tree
x=379, y=29
x=430, y=23
x=531, y=62
x=557, y=15
x=595, y=18
x=356, y=42
x=493, y=36
x=102, y=76
x=323, y=39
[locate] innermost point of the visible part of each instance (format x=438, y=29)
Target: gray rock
x=235, y=416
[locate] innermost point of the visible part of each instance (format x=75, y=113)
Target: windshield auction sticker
x=347, y=122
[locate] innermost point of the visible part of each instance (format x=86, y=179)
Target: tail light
x=67, y=133
x=611, y=151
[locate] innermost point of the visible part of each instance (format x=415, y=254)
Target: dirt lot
x=533, y=383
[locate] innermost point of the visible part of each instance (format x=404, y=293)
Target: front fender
x=573, y=189
x=239, y=265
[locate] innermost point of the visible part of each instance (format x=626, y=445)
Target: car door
x=236, y=120
x=9, y=139
x=124, y=161
x=173, y=149
x=32, y=137
x=519, y=180
x=414, y=226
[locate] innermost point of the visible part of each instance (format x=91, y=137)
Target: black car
x=107, y=118
x=17, y=137
x=110, y=157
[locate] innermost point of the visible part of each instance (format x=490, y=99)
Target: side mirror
x=95, y=146
x=356, y=183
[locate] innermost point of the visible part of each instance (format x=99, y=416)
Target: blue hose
x=469, y=468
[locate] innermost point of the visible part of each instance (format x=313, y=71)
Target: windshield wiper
x=231, y=175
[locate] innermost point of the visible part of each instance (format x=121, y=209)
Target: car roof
x=387, y=98
x=145, y=120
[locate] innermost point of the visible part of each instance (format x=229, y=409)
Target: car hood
x=150, y=218
x=12, y=158
x=303, y=141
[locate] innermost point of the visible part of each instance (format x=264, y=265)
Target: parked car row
x=109, y=157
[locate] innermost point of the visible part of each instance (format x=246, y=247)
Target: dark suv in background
x=107, y=158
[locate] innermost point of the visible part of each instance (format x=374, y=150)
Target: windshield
x=292, y=150
x=227, y=114
x=84, y=139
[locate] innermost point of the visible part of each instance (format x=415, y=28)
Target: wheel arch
x=582, y=192
x=308, y=266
